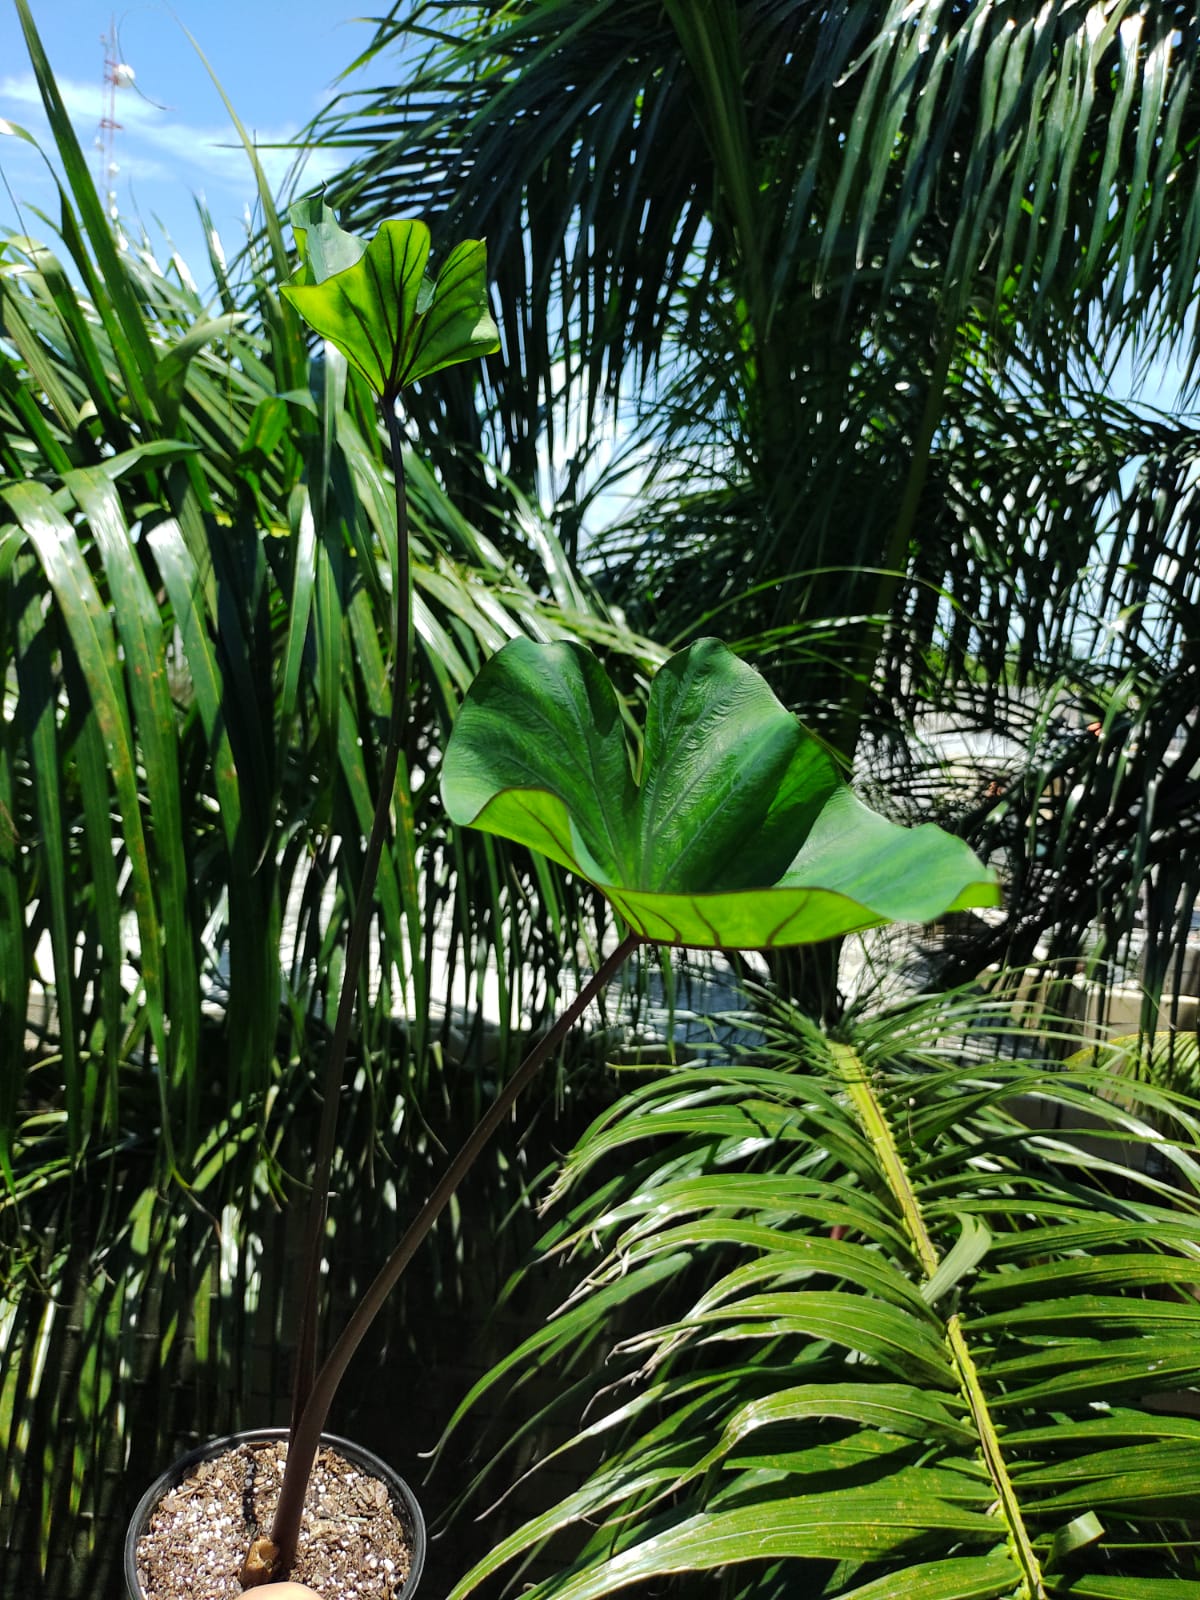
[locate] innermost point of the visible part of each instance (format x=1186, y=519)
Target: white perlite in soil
x=352, y=1542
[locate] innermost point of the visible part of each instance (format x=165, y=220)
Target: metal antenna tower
x=118, y=74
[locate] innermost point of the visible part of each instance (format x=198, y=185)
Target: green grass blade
x=87, y=623
x=139, y=629
x=39, y=711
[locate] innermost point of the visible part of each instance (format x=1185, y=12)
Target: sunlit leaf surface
x=737, y=832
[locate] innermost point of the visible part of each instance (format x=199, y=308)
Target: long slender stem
x=360, y=927
x=306, y=1433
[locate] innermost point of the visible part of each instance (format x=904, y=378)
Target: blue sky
x=276, y=59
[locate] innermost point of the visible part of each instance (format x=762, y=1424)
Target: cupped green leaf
x=739, y=832
x=374, y=304
x=456, y=325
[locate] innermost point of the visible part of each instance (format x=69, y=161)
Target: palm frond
x=853, y=289
x=1042, y=159
x=854, y=1317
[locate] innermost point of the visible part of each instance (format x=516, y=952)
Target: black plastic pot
x=403, y=1499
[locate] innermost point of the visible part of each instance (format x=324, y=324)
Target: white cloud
x=152, y=144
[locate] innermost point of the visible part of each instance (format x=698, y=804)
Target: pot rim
x=404, y=1500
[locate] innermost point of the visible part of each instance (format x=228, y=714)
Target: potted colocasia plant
x=728, y=827
x=377, y=310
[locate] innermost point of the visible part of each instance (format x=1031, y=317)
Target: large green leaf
x=736, y=1400
x=378, y=309
x=739, y=832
